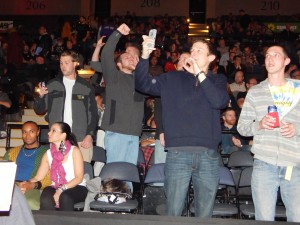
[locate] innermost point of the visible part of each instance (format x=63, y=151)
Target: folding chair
x=240, y=159
x=247, y=209
x=99, y=154
x=98, y=159
x=123, y=171
x=88, y=175
x=225, y=205
x=156, y=174
x=154, y=196
x=237, y=162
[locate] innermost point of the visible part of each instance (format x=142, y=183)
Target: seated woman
x=65, y=162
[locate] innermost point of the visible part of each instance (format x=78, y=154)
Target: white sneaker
x=3, y=134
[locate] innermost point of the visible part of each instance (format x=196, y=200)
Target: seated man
x=28, y=159
x=238, y=85
x=232, y=141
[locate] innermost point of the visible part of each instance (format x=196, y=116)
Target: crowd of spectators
x=241, y=42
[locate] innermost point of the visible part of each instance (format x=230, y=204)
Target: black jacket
x=84, y=108
x=190, y=113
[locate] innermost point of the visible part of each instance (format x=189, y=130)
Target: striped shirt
x=269, y=145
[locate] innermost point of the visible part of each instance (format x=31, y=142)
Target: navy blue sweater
x=190, y=113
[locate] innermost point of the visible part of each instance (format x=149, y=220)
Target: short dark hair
x=235, y=72
x=73, y=54
x=251, y=78
x=135, y=45
x=285, y=49
x=31, y=122
x=237, y=56
x=231, y=47
x=211, y=48
x=227, y=110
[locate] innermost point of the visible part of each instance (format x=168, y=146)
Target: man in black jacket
x=191, y=103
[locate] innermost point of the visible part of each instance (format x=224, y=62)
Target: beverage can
x=272, y=111
x=272, y=108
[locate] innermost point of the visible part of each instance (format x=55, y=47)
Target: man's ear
x=211, y=58
x=287, y=61
x=223, y=117
x=119, y=65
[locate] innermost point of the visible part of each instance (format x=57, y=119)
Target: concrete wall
x=252, y=7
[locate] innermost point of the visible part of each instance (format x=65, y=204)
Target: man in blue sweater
x=191, y=103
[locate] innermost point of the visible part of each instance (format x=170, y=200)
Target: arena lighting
x=86, y=73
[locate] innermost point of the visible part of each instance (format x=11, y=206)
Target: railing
x=44, y=128
x=18, y=125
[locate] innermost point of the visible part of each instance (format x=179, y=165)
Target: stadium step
x=199, y=30
x=29, y=114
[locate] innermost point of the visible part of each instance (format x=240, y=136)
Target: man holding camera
x=191, y=102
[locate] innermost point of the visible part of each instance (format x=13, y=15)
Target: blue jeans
x=121, y=147
x=266, y=179
x=159, y=153
x=227, y=143
x=203, y=168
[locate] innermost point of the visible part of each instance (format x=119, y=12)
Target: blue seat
x=224, y=206
x=153, y=188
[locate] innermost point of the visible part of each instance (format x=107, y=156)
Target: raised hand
x=147, y=46
x=123, y=29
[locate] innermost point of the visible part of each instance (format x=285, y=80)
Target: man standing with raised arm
x=191, y=103
x=124, y=107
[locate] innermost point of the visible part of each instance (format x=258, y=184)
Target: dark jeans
x=203, y=169
x=67, y=198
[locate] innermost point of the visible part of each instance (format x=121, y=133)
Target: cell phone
x=43, y=84
x=152, y=34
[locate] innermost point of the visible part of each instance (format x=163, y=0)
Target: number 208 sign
x=150, y=7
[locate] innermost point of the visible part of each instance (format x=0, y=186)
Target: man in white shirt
x=71, y=99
